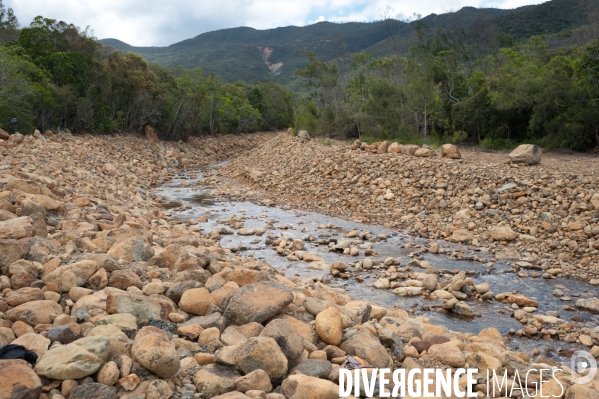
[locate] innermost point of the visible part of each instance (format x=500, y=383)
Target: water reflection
x=199, y=201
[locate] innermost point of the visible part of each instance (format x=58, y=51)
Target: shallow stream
x=199, y=201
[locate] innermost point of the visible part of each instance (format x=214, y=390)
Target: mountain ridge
x=238, y=53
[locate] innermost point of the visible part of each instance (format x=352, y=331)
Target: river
x=187, y=199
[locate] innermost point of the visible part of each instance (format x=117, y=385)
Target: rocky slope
x=118, y=300
x=543, y=217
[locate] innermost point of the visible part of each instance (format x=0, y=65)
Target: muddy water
x=199, y=201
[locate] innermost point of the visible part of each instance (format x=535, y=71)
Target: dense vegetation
x=458, y=85
x=237, y=53
x=469, y=76
x=54, y=75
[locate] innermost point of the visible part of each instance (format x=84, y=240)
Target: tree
x=320, y=77
x=9, y=25
x=588, y=72
x=19, y=80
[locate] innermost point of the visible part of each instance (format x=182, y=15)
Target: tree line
x=54, y=75
x=460, y=85
x=456, y=85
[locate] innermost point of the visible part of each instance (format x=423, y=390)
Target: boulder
x=409, y=149
x=382, y=147
x=286, y=336
x=447, y=353
x=408, y=291
x=140, y=306
x=213, y=320
x=429, y=282
x=590, y=305
x=196, y=301
x=34, y=342
x=300, y=386
x=93, y=390
x=483, y=362
x=16, y=138
x=503, y=233
x=125, y=322
x=359, y=310
x=368, y=347
x=71, y=275
x=307, y=331
x=12, y=250
x=356, y=145
x=462, y=235
x=522, y=300
x=526, y=153
x=303, y=134
x=262, y=353
x=178, y=258
x=38, y=135
x=159, y=389
x=123, y=279
x=482, y=288
x=49, y=204
x=132, y=249
x=176, y=291
x=29, y=208
x=257, y=303
x=109, y=373
x=394, y=148
x=22, y=280
x=450, y=151
x=423, y=152
x=243, y=277
x=33, y=268
x=329, y=326
x=97, y=300
x=17, y=228
x=18, y=380
x=29, y=187
x=213, y=380
x=35, y=312
x=76, y=360
x=463, y=309
x=320, y=368
x=255, y=380
x=153, y=349
x=42, y=249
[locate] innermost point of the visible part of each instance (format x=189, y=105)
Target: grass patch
x=327, y=142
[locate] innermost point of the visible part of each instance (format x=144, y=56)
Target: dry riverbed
x=128, y=280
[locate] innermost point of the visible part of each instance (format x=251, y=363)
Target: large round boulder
x=153, y=349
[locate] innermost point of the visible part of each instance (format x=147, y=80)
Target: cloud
x=160, y=23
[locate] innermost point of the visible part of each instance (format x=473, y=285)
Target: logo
x=582, y=362
x=430, y=382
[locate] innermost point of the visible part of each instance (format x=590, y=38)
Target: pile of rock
x=547, y=215
x=383, y=147
x=119, y=301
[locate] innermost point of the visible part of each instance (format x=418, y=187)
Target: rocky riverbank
x=119, y=300
x=542, y=218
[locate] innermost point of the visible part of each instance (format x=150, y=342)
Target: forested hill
x=248, y=54
x=547, y=18
x=491, y=77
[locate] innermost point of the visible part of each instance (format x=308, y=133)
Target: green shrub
x=498, y=144
x=459, y=136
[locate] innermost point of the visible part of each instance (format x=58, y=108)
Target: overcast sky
x=164, y=22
